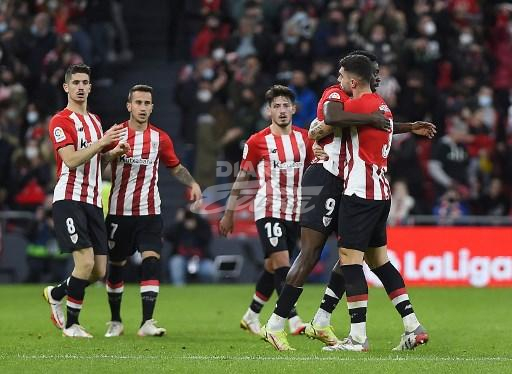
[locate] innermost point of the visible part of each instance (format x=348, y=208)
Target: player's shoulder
x=62, y=119
x=161, y=132
x=259, y=136
x=95, y=116
x=334, y=92
x=300, y=130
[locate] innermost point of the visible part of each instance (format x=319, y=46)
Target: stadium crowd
x=448, y=62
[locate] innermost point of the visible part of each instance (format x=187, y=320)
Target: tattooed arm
x=318, y=130
x=183, y=175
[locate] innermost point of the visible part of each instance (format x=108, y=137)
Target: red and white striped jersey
x=279, y=162
x=135, y=176
x=84, y=182
x=333, y=144
x=367, y=151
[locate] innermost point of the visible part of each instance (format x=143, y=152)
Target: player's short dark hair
x=140, y=88
x=77, y=68
x=362, y=52
x=358, y=65
x=279, y=90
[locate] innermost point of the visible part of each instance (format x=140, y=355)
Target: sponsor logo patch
x=59, y=134
x=335, y=95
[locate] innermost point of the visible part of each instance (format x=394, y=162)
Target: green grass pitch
x=470, y=330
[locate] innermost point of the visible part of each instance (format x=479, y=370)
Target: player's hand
x=380, y=122
x=122, y=148
x=319, y=152
x=424, y=129
x=196, y=197
x=112, y=135
x=226, y=224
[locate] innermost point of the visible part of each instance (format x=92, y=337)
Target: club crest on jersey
x=74, y=238
x=335, y=95
x=326, y=220
x=273, y=241
x=111, y=244
x=58, y=134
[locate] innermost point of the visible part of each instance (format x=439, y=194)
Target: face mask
x=31, y=152
x=430, y=28
x=32, y=117
x=33, y=30
x=3, y=27
x=208, y=74
x=465, y=38
x=218, y=54
x=204, y=95
x=484, y=100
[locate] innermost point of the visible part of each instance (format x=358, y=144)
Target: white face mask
x=32, y=117
x=204, y=95
x=208, y=74
x=3, y=27
x=484, y=100
x=218, y=54
x=31, y=152
x=465, y=38
x=430, y=28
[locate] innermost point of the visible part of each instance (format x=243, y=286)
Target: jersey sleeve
x=251, y=155
x=334, y=94
x=167, y=154
x=62, y=132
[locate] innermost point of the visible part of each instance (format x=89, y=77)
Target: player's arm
x=74, y=158
x=419, y=128
x=335, y=116
x=319, y=130
x=183, y=175
x=227, y=221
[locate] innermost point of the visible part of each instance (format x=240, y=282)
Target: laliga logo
x=478, y=271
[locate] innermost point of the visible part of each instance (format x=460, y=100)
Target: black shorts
x=79, y=225
x=127, y=234
x=362, y=222
x=277, y=235
x=321, y=193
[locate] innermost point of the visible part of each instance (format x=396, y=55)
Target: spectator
x=190, y=257
x=448, y=166
x=402, y=204
x=450, y=208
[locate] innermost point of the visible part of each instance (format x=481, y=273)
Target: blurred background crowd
x=444, y=61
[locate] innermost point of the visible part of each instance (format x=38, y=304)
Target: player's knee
x=150, y=268
x=85, y=267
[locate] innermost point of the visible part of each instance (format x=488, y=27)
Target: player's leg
x=393, y=282
x=149, y=289
x=79, y=280
x=120, y=232
x=358, y=219
x=264, y=289
x=115, y=289
x=72, y=232
x=148, y=241
x=332, y=295
x=312, y=243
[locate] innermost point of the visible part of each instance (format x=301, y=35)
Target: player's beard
x=283, y=122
